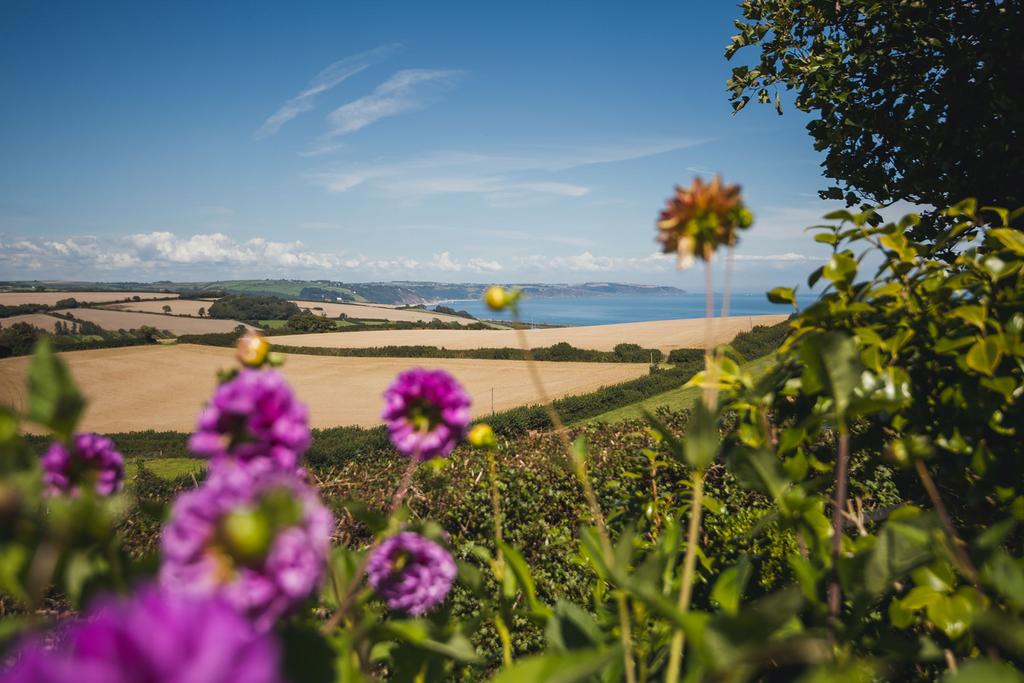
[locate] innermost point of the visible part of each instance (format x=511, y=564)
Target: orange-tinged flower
x=700, y=218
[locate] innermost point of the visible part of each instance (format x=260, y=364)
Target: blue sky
x=530, y=141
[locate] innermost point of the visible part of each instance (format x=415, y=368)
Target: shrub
x=245, y=307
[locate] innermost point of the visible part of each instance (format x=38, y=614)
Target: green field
x=677, y=399
x=166, y=468
x=278, y=324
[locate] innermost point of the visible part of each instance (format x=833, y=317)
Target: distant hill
x=400, y=292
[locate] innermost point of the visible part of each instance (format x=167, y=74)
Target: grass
x=676, y=399
x=278, y=324
x=166, y=468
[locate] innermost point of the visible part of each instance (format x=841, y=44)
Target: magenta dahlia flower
x=411, y=573
x=92, y=460
x=253, y=416
x=427, y=413
x=258, y=539
x=153, y=638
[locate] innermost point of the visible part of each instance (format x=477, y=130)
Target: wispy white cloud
x=330, y=77
x=499, y=176
x=405, y=91
x=786, y=257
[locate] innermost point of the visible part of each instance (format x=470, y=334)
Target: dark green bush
x=246, y=307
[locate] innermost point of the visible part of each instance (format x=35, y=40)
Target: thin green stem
x=710, y=399
x=675, y=657
x=506, y=640
x=580, y=467
x=492, y=473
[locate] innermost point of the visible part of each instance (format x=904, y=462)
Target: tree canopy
x=913, y=100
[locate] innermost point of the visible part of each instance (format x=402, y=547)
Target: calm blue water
x=625, y=308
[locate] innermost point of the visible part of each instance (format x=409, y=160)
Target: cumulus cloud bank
x=163, y=255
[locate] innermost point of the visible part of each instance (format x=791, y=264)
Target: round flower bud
x=247, y=535
x=252, y=349
x=482, y=436
x=497, y=298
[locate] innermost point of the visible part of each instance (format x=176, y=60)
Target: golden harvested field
x=51, y=298
x=40, y=320
x=381, y=312
x=130, y=320
x=164, y=387
x=662, y=334
x=191, y=307
x=178, y=306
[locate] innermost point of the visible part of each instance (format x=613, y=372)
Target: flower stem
x=675, y=657
x=710, y=399
x=580, y=466
x=492, y=472
x=346, y=602
x=499, y=557
x=506, y=640
x=404, y=484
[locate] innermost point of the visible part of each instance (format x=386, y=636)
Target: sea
x=626, y=308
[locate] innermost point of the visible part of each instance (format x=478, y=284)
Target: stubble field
x=40, y=320
x=110, y=319
x=662, y=334
x=191, y=307
x=164, y=387
x=51, y=298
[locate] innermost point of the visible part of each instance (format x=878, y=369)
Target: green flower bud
x=246, y=535
x=482, y=436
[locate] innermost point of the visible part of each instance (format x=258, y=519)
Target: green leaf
x=840, y=269
x=417, y=632
x=728, y=589
x=984, y=356
x=952, y=614
x=1010, y=238
x=903, y=544
x=840, y=215
x=1006, y=575
x=701, y=443
x=832, y=363
x=985, y=671
x=973, y=315
x=782, y=295
x=571, y=627
x=759, y=470
x=522, y=573
x=581, y=665
x=53, y=399
x=966, y=207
